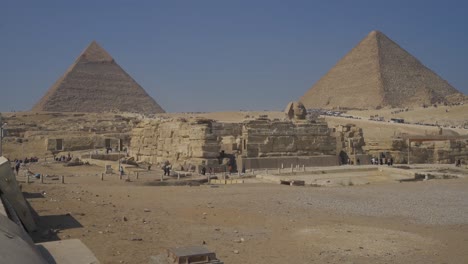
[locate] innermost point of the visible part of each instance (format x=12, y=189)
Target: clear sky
x=219, y=55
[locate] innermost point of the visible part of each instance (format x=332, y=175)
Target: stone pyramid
x=96, y=83
x=378, y=73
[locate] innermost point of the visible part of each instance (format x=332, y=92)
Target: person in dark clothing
x=203, y=171
x=17, y=167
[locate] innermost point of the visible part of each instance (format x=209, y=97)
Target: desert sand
x=254, y=222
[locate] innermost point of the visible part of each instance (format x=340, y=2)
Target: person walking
x=17, y=167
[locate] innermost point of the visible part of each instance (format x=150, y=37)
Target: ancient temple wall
x=180, y=142
x=200, y=142
x=265, y=138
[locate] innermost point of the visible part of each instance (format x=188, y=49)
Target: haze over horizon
x=219, y=56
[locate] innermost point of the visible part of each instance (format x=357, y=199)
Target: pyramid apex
x=375, y=33
x=95, y=53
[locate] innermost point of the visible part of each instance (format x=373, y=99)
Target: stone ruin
x=424, y=150
x=251, y=144
x=295, y=140
x=350, y=144
x=46, y=134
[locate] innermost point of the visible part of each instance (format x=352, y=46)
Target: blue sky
x=215, y=55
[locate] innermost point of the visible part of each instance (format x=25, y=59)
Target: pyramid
x=378, y=73
x=96, y=83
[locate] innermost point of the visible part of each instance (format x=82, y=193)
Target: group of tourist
x=28, y=160
x=382, y=161
x=25, y=161
x=63, y=158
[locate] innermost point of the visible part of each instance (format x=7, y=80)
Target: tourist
x=17, y=167
x=168, y=169
x=121, y=169
x=203, y=171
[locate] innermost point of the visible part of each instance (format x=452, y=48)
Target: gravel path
x=436, y=202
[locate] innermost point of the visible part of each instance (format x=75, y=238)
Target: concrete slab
x=11, y=191
x=15, y=244
x=71, y=251
x=187, y=255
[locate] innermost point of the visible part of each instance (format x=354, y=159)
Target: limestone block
x=204, y=154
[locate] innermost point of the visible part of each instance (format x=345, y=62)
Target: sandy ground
x=127, y=222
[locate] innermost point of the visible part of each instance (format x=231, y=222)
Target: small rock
x=236, y=251
x=47, y=233
x=137, y=239
x=146, y=210
x=125, y=219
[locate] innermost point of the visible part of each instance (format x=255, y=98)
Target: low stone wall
x=286, y=162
